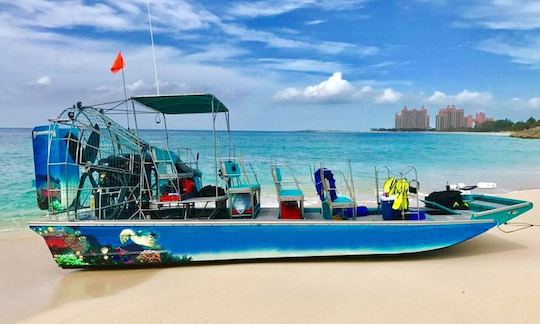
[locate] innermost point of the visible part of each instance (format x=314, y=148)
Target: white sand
x=493, y=278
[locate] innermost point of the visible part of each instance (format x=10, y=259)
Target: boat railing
x=377, y=170
x=192, y=160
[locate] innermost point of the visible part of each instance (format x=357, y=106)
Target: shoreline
x=505, y=133
x=443, y=286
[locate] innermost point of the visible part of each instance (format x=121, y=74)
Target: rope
x=521, y=226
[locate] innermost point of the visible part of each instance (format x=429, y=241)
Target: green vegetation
x=506, y=125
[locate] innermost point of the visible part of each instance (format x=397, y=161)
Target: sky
x=278, y=65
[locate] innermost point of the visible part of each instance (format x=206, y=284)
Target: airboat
x=117, y=200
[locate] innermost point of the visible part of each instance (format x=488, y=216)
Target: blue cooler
x=386, y=209
x=415, y=215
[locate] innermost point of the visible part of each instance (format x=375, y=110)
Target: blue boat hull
x=107, y=244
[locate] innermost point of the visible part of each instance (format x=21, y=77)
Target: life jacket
x=400, y=189
x=389, y=185
x=329, y=176
x=402, y=199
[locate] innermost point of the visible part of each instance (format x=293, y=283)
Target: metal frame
x=125, y=146
x=242, y=179
x=279, y=188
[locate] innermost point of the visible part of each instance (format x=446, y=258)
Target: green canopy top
x=183, y=103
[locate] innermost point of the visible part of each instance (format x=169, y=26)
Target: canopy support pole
x=215, y=146
x=166, y=131
x=228, y=132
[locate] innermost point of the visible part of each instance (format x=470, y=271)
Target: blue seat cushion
x=291, y=193
x=342, y=200
x=245, y=187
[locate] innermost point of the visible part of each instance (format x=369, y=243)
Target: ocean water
x=438, y=159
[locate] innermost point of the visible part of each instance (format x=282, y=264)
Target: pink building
x=412, y=119
x=480, y=118
x=469, y=121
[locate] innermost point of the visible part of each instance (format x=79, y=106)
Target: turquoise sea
x=439, y=158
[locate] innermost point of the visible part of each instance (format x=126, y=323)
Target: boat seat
x=291, y=194
x=329, y=196
x=239, y=185
x=342, y=200
x=288, y=190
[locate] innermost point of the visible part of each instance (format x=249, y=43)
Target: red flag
x=118, y=63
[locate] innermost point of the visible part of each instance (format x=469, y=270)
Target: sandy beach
x=493, y=278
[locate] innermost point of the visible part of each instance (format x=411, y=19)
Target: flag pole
x=155, y=68
x=125, y=97
x=152, y=40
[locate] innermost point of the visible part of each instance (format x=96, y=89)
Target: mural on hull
x=71, y=249
x=106, y=246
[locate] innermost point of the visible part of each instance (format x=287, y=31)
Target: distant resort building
x=469, y=121
x=448, y=118
x=412, y=119
x=454, y=118
x=480, y=118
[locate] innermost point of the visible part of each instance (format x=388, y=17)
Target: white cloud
x=437, y=97
x=525, y=52
x=217, y=53
x=273, y=40
x=504, y=14
x=363, y=92
x=337, y=90
x=467, y=96
x=301, y=65
x=139, y=84
x=78, y=67
x=506, y=17
x=314, y=22
x=534, y=102
x=174, y=15
x=388, y=96
x=334, y=89
x=45, y=81
x=464, y=97
x=265, y=8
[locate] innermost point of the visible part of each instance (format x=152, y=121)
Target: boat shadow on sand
x=81, y=284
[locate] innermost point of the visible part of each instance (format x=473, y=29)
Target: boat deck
x=268, y=214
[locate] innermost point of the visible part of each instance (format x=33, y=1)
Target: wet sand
x=493, y=278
